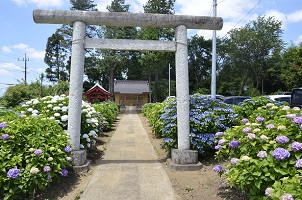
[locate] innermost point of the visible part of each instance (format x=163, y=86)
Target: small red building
x=97, y=94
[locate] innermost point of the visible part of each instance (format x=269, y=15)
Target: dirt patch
x=189, y=185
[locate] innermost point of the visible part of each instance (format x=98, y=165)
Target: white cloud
x=6, y=49
x=298, y=41
x=41, y=3
x=7, y=69
x=295, y=16
x=31, y=52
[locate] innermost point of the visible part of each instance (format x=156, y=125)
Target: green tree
x=249, y=53
x=55, y=57
x=200, y=56
x=155, y=64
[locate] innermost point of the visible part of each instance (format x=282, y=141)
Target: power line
x=242, y=17
x=25, y=67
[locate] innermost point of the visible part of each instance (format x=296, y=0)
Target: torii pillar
x=182, y=158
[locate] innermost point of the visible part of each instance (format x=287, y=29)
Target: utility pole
x=25, y=67
x=214, y=56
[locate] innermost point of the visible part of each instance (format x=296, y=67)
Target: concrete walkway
x=130, y=168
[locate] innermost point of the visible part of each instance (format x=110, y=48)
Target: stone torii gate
x=80, y=19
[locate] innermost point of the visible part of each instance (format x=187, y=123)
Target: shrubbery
x=56, y=108
x=265, y=153
x=108, y=111
x=34, y=145
x=33, y=153
x=207, y=116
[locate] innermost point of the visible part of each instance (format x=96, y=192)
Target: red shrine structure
x=97, y=94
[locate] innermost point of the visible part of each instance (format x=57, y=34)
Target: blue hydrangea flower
x=219, y=134
x=168, y=140
x=296, y=146
x=13, y=173
x=262, y=154
x=5, y=136
x=282, y=139
x=64, y=172
x=259, y=119
x=46, y=168
x=2, y=125
x=286, y=197
x=67, y=149
x=217, y=168
x=270, y=126
x=268, y=192
x=234, y=143
x=298, y=163
x=217, y=147
x=246, y=130
x=38, y=152
x=290, y=116
x=297, y=120
x=280, y=154
x=244, y=120
x=234, y=160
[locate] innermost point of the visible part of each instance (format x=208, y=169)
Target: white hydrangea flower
x=30, y=109
x=51, y=118
x=85, y=136
x=35, y=112
x=64, y=118
x=88, y=115
x=57, y=114
x=82, y=146
x=88, y=121
x=35, y=115
x=49, y=106
x=35, y=101
x=245, y=158
x=56, y=108
x=88, y=139
x=88, y=145
x=64, y=108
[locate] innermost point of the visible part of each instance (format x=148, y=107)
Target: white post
x=182, y=87
x=169, y=80
x=214, y=57
x=76, y=83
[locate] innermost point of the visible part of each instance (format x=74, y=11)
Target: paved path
x=130, y=168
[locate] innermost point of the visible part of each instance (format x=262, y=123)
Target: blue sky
x=20, y=35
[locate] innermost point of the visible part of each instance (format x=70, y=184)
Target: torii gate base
x=182, y=158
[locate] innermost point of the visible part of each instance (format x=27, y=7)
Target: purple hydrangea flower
x=269, y=126
x=67, y=149
x=262, y=154
x=246, y=130
x=290, y=116
x=219, y=134
x=221, y=141
x=280, y=154
x=13, y=173
x=234, y=143
x=286, y=197
x=244, y=120
x=251, y=136
x=2, y=125
x=268, y=192
x=38, y=152
x=298, y=163
x=49, y=176
x=46, y=169
x=259, y=119
x=217, y=147
x=217, y=168
x=296, y=146
x=5, y=136
x=297, y=120
x=282, y=139
x=234, y=160
x=64, y=172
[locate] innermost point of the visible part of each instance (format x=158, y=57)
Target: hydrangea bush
x=107, y=111
x=33, y=153
x=56, y=108
x=207, y=116
x=265, y=153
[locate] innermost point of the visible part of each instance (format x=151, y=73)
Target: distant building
x=97, y=94
x=131, y=93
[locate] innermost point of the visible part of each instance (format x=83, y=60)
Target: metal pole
x=76, y=83
x=214, y=56
x=169, y=80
